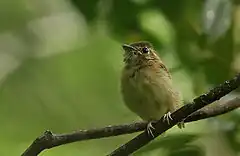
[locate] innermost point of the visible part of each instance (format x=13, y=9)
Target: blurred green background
x=60, y=66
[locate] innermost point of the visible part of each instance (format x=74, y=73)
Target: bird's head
x=138, y=53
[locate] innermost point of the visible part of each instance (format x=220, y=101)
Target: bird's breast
x=146, y=93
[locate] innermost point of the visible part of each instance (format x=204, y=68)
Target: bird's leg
x=181, y=125
x=167, y=117
x=150, y=128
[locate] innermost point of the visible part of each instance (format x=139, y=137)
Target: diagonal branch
x=49, y=140
x=179, y=115
x=208, y=112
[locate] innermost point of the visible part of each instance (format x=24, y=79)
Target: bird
x=146, y=84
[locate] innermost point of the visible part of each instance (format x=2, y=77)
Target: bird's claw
x=150, y=128
x=167, y=117
x=181, y=125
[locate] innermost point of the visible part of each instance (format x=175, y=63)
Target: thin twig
x=50, y=140
x=179, y=115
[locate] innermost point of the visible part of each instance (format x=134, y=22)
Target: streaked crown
x=139, y=52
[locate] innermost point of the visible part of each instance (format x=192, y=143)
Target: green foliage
x=190, y=150
x=171, y=143
x=60, y=65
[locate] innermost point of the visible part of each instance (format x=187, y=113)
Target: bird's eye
x=145, y=50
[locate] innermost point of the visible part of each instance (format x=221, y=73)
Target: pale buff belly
x=148, y=100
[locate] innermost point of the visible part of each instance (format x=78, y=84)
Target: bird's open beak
x=127, y=47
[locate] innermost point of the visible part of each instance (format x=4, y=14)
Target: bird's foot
x=181, y=125
x=149, y=129
x=167, y=117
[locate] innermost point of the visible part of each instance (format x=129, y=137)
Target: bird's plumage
x=146, y=84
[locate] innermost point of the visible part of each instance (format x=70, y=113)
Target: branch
x=49, y=140
x=208, y=112
x=179, y=115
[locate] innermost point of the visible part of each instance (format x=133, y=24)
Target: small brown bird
x=146, y=84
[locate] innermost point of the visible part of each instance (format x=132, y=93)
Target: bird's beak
x=127, y=47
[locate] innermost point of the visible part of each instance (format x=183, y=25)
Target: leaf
x=171, y=142
x=188, y=150
x=216, y=17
